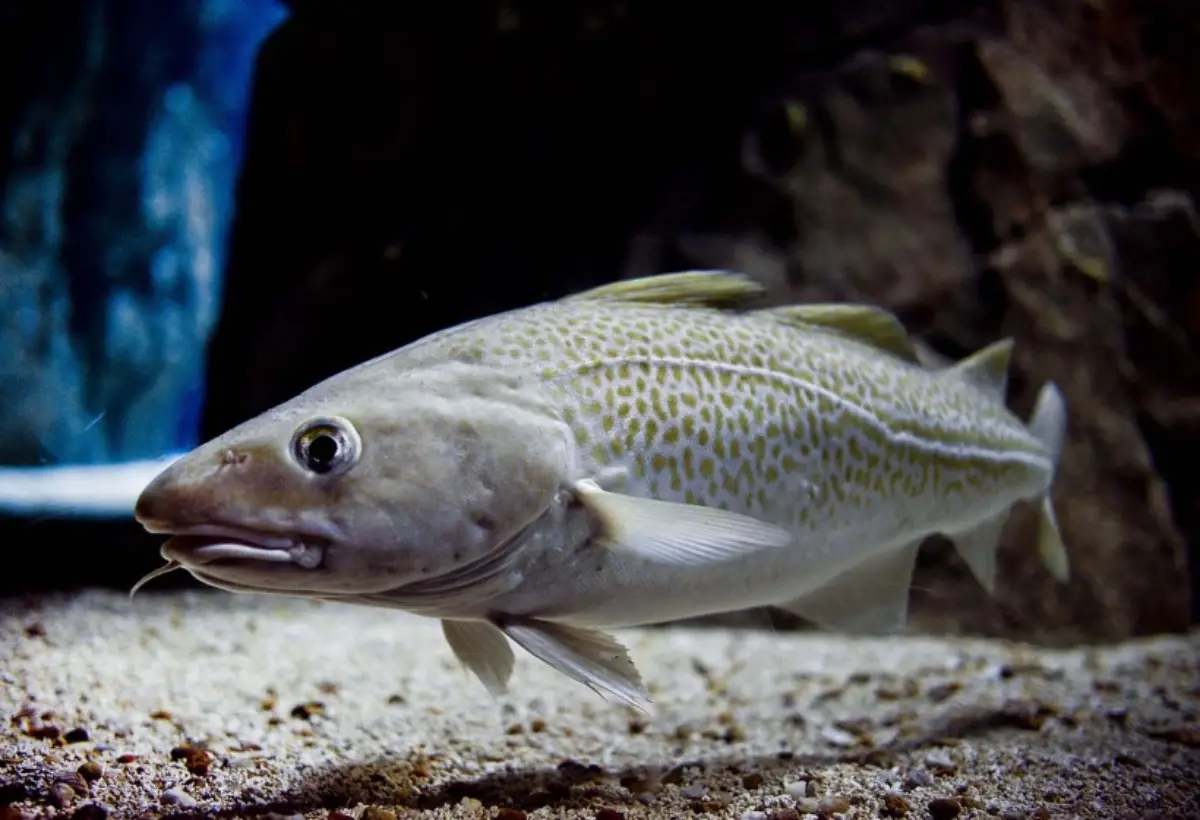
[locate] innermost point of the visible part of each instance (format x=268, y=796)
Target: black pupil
x=322, y=450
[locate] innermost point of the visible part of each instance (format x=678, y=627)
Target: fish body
x=636, y=453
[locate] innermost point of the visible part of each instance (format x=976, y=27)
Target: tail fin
x=1049, y=425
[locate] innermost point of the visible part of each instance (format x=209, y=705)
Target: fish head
x=368, y=482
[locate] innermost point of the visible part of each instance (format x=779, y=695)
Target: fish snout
x=190, y=491
x=158, y=503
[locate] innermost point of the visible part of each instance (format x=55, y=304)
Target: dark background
x=1019, y=167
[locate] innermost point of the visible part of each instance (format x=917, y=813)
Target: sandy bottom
x=210, y=704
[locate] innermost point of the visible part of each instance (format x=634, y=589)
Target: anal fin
x=978, y=546
x=483, y=649
x=870, y=597
x=589, y=656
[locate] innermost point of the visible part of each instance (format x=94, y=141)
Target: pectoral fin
x=677, y=534
x=871, y=597
x=483, y=649
x=589, y=656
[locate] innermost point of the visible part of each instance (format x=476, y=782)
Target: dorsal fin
x=706, y=288
x=986, y=368
x=872, y=325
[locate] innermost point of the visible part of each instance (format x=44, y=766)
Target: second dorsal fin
x=865, y=323
x=986, y=368
x=704, y=288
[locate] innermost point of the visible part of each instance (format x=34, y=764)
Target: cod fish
x=645, y=451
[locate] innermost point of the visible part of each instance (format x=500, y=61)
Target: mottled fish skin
x=831, y=450
x=851, y=449
x=717, y=409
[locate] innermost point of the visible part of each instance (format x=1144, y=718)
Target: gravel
x=208, y=704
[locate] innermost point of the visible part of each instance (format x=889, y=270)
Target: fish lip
x=157, y=526
x=216, y=545
x=234, y=535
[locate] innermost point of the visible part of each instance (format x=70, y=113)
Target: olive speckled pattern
x=752, y=411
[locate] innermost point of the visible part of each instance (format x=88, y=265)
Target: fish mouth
x=207, y=544
x=204, y=547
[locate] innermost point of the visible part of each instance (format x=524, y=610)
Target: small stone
x=674, y=777
x=639, y=784
x=91, y=771
x=307, y=711
x=880, y=758
x=510, y=814
x=752, y=781
x=808, y=805
x=61, y=794
x=176, y=797
x=784, y=814
x=833, y=804
x=797, y=789
x=838, y=737
x=610, y=814
x=894, y=806
x=918, y=778
x=77, y=735
x=375, y=813
x=693, y=791
x=90, y=811
x=944, y=808
x=940, y=762
x=196, y=760
x=943, y=691
x=44, y=732
x=753, y=815
x=711, y=806
x=74, y=780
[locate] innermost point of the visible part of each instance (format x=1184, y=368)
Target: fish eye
x=326, y=445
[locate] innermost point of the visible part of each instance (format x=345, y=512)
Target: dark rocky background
x=1022, y=167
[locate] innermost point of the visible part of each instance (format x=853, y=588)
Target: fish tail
x=1049, y=425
